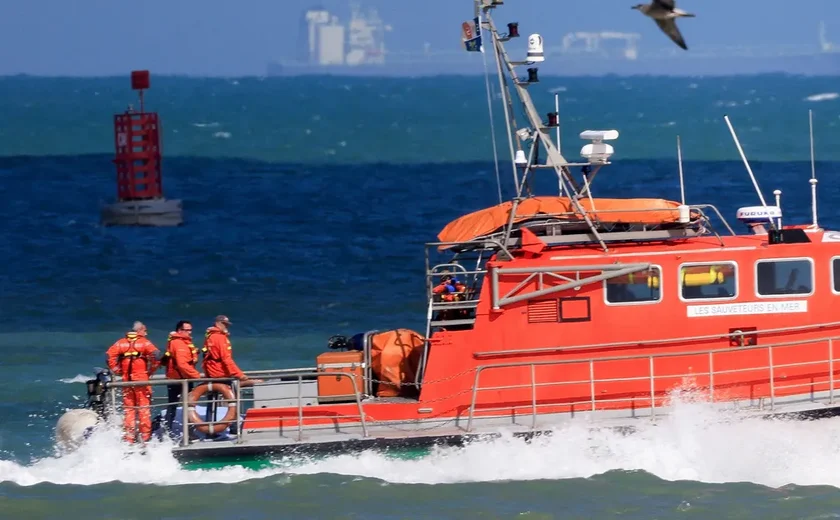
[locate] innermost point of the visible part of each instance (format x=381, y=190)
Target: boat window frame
x=648, y=302
x=831, y=272
x=709, y=263
x=786, y=259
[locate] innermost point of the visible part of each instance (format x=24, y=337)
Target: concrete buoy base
x=152, y=212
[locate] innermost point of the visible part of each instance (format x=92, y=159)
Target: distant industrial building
x=324, y=41
x=329, y=45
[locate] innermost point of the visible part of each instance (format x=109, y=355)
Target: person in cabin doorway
x=134, y=358
x=180, y=359
x=450, y=289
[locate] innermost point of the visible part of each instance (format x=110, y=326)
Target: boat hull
x=261, y=448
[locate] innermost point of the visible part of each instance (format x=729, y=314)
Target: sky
x=226, y=38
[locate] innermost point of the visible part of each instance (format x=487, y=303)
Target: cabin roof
x=699, y=243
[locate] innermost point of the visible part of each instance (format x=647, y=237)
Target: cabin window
x=835, y=274
x=783, y=277
x=641, y=287
x=708, y=281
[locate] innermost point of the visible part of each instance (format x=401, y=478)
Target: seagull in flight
x=665, y=13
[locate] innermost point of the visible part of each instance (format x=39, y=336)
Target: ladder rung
x=449, y=323
x=442, y=306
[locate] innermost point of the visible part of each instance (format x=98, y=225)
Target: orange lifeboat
x=626, y=211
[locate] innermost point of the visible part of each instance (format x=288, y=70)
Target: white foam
x=694, y=443
x=826, y=96
x=103, y=458
x=80, y=378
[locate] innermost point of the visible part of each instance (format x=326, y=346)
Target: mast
x=538, y=132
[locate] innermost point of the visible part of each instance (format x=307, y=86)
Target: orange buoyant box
x=339, y=388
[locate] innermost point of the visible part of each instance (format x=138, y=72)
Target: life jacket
x=167, y=356
x=208, y=354
x=217, y=360
x=132, y=354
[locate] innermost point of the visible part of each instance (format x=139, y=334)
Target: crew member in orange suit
x=180, y=359
x=218, y=357
x=134, y=358
x=450, y=289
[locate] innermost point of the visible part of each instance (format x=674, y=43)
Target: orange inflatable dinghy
x=394, y=358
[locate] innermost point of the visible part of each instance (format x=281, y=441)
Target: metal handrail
x=651, y=376
x=300, y=374
x=699, y=207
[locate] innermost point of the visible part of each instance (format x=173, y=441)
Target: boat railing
x=460, y=310
x=592, y=402
x=712, y=207
x=239, y=401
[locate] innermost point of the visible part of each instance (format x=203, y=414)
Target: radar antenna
x=538, y=132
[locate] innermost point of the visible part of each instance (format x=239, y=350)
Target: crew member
x=180, y=359
x=450, y=289
x=134, y=358
x=218, y=360
x=218, y=357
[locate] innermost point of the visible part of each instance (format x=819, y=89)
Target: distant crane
x=826, y=45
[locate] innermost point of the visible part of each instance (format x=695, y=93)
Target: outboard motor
x=96, y=391
x=76, y=426
x=339, y=342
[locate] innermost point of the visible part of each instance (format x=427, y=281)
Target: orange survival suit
x=134, y=358
x=218, y=359
x=181, y=357
x=450, y=289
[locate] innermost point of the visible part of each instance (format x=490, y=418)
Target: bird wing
x=665, y=4
x=669, y=27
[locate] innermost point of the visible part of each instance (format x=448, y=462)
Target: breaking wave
x=79, y=378
x=826, y=96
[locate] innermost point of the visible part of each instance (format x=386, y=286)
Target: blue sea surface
x=347, y=120
x=297, y=236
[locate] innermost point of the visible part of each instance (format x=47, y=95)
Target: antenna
x=537, y=130
x=679, y=161
x=746, y=163
x=557, y=111
x=813, y=180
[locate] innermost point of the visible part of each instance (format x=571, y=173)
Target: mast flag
x=471, y=35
